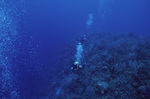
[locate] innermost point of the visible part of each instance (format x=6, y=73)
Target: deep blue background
x=45, y=27
x=54, y=23
x=58, y=21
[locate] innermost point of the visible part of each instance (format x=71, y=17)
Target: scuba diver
x=82, y=38
x=77, y=66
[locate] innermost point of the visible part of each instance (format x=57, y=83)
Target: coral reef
x=119, y=68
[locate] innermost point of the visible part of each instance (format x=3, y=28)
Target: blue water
x=33, y=34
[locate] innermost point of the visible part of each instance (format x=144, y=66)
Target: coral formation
x=119, y=68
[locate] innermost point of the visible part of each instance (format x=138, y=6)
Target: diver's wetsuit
x=75, y=67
